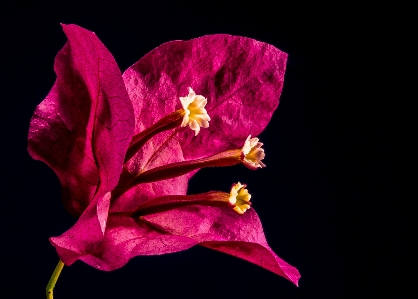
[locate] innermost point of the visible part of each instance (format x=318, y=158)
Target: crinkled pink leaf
x=218, y=228
x=126, y=238
x=130, y=200
x=86, y=234
x=242, y=79
x=83, y=127
x=258, y=254
x=170, y=152
x=224, y=230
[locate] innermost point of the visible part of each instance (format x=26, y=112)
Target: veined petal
x=224, y=230
x=86, y=234
x=242, y=79
x=126, y=238
x=83, y=127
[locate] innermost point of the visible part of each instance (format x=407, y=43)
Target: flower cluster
x=120, y=145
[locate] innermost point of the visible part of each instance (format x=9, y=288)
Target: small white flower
x=195, y=115
x=253, y=153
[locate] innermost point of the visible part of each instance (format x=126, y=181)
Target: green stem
x=53, y=280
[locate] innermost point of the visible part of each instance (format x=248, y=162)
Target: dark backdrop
x=332, y=200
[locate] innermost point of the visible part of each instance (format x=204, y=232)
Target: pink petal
x=258, y=254
x=130, y=200
x=239, y=75
x=217, y=228
x=108, y=244
x=224, y=230
x=137, y=195
x=241, y=78
x=86, y=234
x=83, y=127
x=126, y=238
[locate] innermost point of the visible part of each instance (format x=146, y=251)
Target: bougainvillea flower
x=125, y=146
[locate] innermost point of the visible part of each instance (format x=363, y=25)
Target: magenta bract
x=241, y=77
x=85, y=125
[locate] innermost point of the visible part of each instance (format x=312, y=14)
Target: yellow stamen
x=239, y=198
x=195, y=115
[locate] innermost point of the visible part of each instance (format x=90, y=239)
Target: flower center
x=253, y=153
x=239, y=198
x=195, y=115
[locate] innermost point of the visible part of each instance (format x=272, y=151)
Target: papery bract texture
x=224, y=230
x=86, y=234
x=242, y=79
x=126, y=238
x=218, y=228
x=83, y=127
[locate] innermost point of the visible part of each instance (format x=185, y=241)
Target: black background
x=333, y=199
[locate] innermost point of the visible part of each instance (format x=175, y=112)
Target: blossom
x=253, y=153
x=125, y=146
x=240, y=198
x=196, y=115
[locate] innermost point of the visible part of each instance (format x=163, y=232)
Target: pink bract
x=84, y=126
